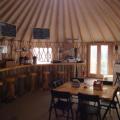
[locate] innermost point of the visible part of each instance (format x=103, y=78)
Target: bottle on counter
x=34, y=59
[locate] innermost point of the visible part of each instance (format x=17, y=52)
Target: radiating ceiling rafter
x=27, y=21
x=110, y=22
x=38, y=13
x=94, y=19
x=53, y=27
x=49, y=16
x=3, y=3
x=12, y=11
x=80, y=37
x=115, y=12
x=7, y=7
x=93, y=29
x=70, y=17
x=61, y=35
x=22, y=18
x=17, y=15
x=104, y=21
x=67, y=22
x=86, y=23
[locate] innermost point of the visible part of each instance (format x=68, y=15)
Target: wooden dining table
x=106, y=92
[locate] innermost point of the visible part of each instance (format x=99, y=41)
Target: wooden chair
x=61, y=101
x=85, y=108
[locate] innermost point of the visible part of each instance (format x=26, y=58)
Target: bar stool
x=21, y=84
x=11, y=87
x=33, y=81
x=39, y=81
x=61, y=75
x=47, y=78
x=1, y=86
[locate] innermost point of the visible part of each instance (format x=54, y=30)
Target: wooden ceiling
x=76, y=20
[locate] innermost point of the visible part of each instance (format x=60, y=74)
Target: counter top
x=30, y=65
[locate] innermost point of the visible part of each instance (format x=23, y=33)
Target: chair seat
x=89, y=109
x=62, y=105
x=110, y=104
x=88, y=105
x=105, y=103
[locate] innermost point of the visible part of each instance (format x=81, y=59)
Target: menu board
x=41, y=33
x=7, y=30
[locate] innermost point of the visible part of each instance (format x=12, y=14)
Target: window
x=93, y=59
x=99, y=61
x=104, y=60
x=44, y=55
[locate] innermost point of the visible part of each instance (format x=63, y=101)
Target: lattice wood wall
x=14, y=45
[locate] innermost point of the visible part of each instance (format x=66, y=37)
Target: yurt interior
x=59, y=59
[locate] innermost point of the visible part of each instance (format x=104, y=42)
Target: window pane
x=104, y=59
x=93, y=59
x=44, y=55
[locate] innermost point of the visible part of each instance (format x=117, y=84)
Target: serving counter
x=37, y=76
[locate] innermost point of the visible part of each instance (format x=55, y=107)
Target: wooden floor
x=33, y=106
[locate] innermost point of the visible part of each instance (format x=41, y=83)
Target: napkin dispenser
x=98, y=85
x=76, y=83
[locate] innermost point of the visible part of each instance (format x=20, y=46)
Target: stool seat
x=21, y=76
x=46, y=77
x=33, y=80
x=11, y=79
x=33, y=74
x=11, y=87
x=62, y=75
x=21, y=84
x=1, y=84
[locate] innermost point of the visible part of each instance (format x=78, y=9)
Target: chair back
x=86, y=97
x=88, y=104
x=56, y=83
x=80, y=79
x=115, y=93
x=60, y=95
x=117, y=78
x=105, y=82
x=62, y=101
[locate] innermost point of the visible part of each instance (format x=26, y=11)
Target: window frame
x=110, y=59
